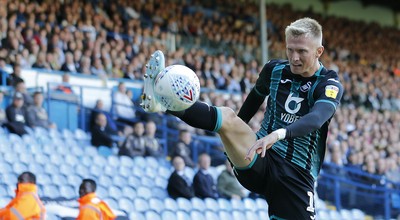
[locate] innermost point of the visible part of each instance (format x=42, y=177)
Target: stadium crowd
x=112, y=39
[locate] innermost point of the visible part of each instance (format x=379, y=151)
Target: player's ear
x=320, y=50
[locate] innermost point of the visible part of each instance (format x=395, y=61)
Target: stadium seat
x=249, y=204
x=90, y=150
x=211, y=204
x=66, y=169
x=182, y=215
x=184, y=204
x=161, y=182
x=237, y=204
x=16, y=140
x=78, y=151
x=198, y=204
x=263, y=215
x=26, y=157
x=59, y=179
x=333, y=214
x=111, y=202
x=96, y=170
x=129, y=191
x=189, y=172
x=248, y=215
x=105, y=181
x=196, y=215
x=51, y=168
x=146, y=181
x=99, y=160
x=113, y=161
x=238, y=215
x=139, y=161
x=35, y=168
x=134, y=181
x=71, y=159
x=10, y=157
x=152, y=162
x=68, y=192
x=126, y=204
x=5, y=167
x=125, y=171
x=119, y=180
x=261, y=204
x=223, y=215
x=42, y=158
x=170, y=204
x=159, y=193
x=115, y=192
x=81, y=170
x=4, y=200
x=358, y=214
x=168, y=215
x=51, y=191
x=346, y=214
x=105, y=151
x=81, y=135
x=43, y=178
x=323, y=214
x=74, y=179
x=157, y=205
x=151, y=172
x=210, y=215
x=224, y=204
x=67, y=134
x=164, y=172
x=150, y=214
x=3, y=191
x=136, y=215
x=141, y=205
x=143, y=192
x=102, y=192
x=19, y=167
x=56, y=159
x=126, y=161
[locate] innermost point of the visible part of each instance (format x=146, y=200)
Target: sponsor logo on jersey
x=285, y=81
x=331, y=91
x=306, y=87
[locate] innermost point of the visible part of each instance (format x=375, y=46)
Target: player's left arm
x=327, y=98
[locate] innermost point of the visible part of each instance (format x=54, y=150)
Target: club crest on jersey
x=305, y=87
x=331, y=91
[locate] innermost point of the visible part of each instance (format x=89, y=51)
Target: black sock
x=200, y=115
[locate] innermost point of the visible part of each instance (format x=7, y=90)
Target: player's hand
x=262, y=145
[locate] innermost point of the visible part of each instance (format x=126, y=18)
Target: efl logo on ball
x=177, y=87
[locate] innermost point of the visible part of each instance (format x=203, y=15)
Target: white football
x=177, y=87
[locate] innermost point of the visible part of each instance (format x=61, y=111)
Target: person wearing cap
x=26, y=204
x=90, y=206
x=16, y=115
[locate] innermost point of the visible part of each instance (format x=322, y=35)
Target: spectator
x=227, y=184
x=90, y=206
x=15, y=77
x=26, y=204
x=16, y=115
x=179, y=185
x=101, y=133
x=21, y=88
x=203, y=183
x=182, y=147
x=3, y=72
x=153, y=147
x=65, y=86
x=69, y=65
x=3, y=117
x=123, y=104
x=37, y=115
x=99, y=108
x=135, y=143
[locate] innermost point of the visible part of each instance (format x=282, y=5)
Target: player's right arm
x=257, y=95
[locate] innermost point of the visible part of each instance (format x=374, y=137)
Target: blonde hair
x=305, y=27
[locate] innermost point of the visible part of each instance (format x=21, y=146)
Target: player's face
x=303, y=53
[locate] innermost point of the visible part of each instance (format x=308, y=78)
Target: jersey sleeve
x=329, y=91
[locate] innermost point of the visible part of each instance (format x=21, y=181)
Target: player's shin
x=200, y=115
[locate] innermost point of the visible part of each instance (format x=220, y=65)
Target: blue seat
x=249, y=204
x=151, y=172
x=26, y=158
x=196, y=215
x=77, y=151
x=82, y=170
x=161, y=182
x=16, y=139
x=157, y=205
x=160, y=193
x=141, y=205
x=150, y=214
x=99, y=160
x=35, y=168
x=115, y=192
x=247, y=214
x=210, y=215
x=4, y=200
x=51, y=168
x=224, y=204
x=164, y=172
x=56, y=159
x=211, y=204
x=51, y=191
x=129, y=191
x=237, y=204
x=138, y=171
x=184, y=204
x=105, y=151
x=110, y=171
x=42, y=158
x=224, y=215
x=198, y=204
x=125, y=171
x=5, y=167
x=113, y=161
x=238, y=215
x=66, y=169
x=96, y=170
x=126, y=204
x=3, y=191
x=59, y=179
x=170, y=204
x=139, y=161
x=74, y=179
x=81, y=135
x=10, y=157
x=119, y=180
x=67, y=134
x=19, y=167
x=90, y=150
x=101, y=191
x=126, y=161
x=68, y=192
x=44, y=178
x=136, y=215
x=111, y=202
x=147, y=181
x=264, y=215
x=105, y=181
x=182, y=215
x=168, y=215
x=144, y=192
x=71, y=159
x=134, y=181
x=262, y=204
x=152, y=162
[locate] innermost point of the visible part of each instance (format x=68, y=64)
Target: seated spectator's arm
x=31, y=118
x=10, y=113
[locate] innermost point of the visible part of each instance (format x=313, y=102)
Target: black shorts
x=288, y=189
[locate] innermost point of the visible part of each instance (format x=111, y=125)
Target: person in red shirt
x=26, y=204
x=90, y=206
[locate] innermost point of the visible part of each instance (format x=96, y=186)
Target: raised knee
x=228, y=116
